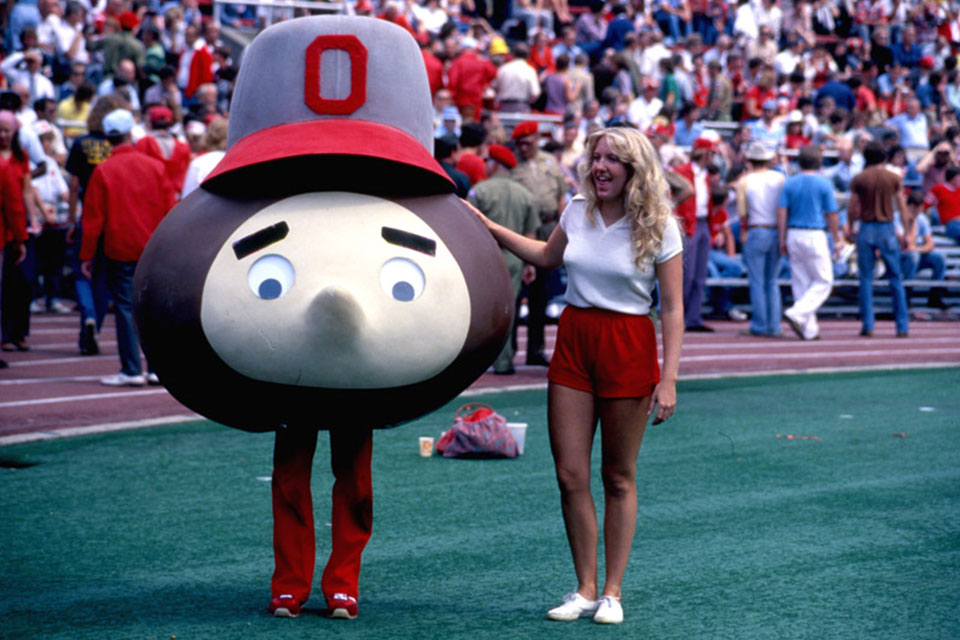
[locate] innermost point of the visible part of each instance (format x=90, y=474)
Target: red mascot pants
x=294, y=543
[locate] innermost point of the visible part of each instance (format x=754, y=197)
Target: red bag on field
x=478, y=432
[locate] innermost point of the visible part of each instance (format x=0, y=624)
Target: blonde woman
x=618, y=239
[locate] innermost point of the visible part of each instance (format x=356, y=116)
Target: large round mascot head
x=324, y=276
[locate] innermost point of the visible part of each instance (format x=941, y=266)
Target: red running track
x=52, y=390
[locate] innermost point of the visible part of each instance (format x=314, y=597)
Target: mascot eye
x=402, y=279
x=270, y=277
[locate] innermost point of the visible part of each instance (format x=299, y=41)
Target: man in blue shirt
x=688, y=126
x=922, y=253
x=805, y=210
x=907, y=52
x=839, y=90
x=912, y=126
x=765, y=130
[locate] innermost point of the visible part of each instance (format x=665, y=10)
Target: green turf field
x=165, y=532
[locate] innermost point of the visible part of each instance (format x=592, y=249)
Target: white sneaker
x=574, y=606
x=123, y=380
x=737, y=314
x=153, y=378
x=61, y=307
x=609, y=611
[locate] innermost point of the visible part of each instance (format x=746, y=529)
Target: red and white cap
x=331, y=102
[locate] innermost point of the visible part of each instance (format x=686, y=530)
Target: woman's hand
x=664, y=399
x=487, y=222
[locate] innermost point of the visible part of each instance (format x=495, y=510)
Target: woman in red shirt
x=541, y=56
x=758, y=94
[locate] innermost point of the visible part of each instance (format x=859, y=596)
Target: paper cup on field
x=519, y=432
x=426, y=447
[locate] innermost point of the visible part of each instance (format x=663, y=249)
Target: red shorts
x=606, y=353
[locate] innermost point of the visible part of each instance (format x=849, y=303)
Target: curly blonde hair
x=646, y=200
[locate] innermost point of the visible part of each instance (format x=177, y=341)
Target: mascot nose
x=335, y=314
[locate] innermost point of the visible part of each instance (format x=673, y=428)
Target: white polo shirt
x=601, y=271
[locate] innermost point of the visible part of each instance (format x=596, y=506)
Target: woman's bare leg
x=623, y=422
x=572, y=423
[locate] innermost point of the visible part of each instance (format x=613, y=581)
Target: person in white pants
x=805, y=211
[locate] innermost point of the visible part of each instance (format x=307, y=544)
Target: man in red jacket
x=13, y=224
x=196, y=63
x=159, y=143
x=697, y=216
x=468, y=77
x=128, y=194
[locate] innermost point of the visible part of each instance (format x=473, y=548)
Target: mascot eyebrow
x=260, y=239
x=409, y=240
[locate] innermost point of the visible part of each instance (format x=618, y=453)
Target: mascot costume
x=324, y=277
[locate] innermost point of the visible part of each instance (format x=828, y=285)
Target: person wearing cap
x=517, y=84
x=86, y=152
x=53, y=194
x=874, y=193
x=510, y=204
x=542, y=175
x=127, y=197
x=618, y=239
x=450, y=121
x=159, y=143
x=697, y=215
x=794, y=138
x=806, y=212
x=468, y=77
x=757, y=196
x=120, y=46
x=358, y=162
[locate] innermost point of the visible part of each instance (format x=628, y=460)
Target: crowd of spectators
x=65, y=65
x=836, y=74
x=831, y=74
